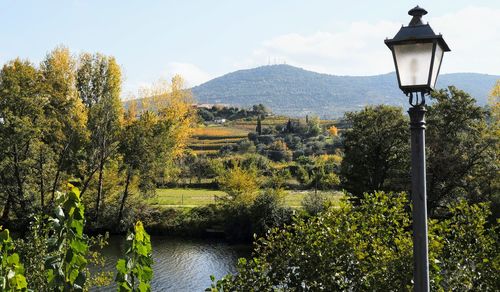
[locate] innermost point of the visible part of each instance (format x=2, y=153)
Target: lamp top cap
x=417, y=11
x=417, y=14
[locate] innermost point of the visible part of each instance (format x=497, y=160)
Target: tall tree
x=21, y=111
x=65, y=119
x=157, y=135
x=462, y=150
x=376, y=150
x=258, y=128
x=99, y=85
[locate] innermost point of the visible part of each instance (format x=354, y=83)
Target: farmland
x=209, y=139
x=191, y=197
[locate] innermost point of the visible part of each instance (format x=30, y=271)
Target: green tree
x=240, y=184
x=21, y=113
x=137, y=146
x=313, y=127
x=462, y=151
x=376, y=150
x=64, y=127
x=258, y=128
x=99, y=85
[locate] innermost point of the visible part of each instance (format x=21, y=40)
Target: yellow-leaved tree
x=333, y=131
x=156, y=131
x=242, y=185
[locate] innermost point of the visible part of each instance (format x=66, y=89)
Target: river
x=182, y=264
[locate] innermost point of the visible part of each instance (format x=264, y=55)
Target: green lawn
x=294, y=198
x=189, y=198
x=185, y=198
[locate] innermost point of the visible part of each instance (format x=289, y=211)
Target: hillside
x=296, y=92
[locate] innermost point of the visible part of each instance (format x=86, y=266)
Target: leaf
x=121, y=266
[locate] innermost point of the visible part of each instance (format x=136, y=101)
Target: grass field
x=189, y=198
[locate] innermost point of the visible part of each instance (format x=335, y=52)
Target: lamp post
x=417, y=52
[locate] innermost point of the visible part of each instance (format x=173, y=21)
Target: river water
x=182, y=264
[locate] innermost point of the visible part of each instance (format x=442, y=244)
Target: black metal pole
x=419, y=199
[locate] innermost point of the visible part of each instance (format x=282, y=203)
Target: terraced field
x=208, y=140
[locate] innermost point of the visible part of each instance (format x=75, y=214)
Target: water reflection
x=183, y=264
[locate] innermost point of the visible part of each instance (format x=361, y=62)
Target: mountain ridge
x=295, y=91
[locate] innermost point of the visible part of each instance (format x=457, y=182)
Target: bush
x=314, y=203
x=369, y=248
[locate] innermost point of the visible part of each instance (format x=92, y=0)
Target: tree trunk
x=99, y=191
x=17, y=174
x=124, y=198
x=42, y=186
x=58, y=171
x=6, y=208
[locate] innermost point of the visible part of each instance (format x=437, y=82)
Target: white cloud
x=192, y=74
x=472, y=34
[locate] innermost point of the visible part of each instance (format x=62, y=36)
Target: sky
x=201, y=40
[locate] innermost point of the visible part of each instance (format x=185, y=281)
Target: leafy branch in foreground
x=11, y=269
x=66, y=268
x=135, y=270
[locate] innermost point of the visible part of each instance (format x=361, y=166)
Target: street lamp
x=418, y=52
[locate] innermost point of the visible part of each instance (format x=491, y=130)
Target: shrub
x=11, y=269
x=314, y=203
x=369, y=247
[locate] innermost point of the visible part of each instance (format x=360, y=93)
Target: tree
x=462, y=151
x=258, y=129
x=99, y=85
x=278, y=151
x=137, y=149
x=376, y=151
x=314, y=128
x=333, y=131
x=21, y=110
x=150, y=143
x=240, y=184
x=64, y=130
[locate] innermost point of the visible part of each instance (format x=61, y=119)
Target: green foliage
x=315, y=203
x=240, y=184
x=466, y=249
x=21, y=110
x=369, y=247
x=135, y=272
x=33, y=250
x=462, y=152
x=376, y=151
x=11, y=269
x=66, y=269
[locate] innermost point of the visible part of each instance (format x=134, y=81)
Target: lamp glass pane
x=414, y=63
x=437, y=62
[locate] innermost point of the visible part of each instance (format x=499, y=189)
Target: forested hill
x=296, y=92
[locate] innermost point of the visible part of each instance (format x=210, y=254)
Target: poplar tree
x=99, y=85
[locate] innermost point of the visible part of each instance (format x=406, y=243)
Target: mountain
x=294, y=91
